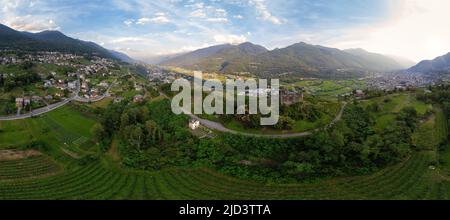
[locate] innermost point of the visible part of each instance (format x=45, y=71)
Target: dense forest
x=151, y=137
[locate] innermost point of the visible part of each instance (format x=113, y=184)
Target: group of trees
x=23, y=74
x=152, y=137
x=302, y=111
x=289, y=114
x=439, y=95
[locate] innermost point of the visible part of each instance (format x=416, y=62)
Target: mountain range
x=54, y=41
x=438, y=65
x=298, y=59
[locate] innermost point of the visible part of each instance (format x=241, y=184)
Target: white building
x=194, y=124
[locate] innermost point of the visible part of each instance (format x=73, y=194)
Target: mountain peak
x=55, y=32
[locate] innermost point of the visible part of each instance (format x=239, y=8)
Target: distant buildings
x=72, y=85
x=359, y=93
x=19, y=102
x=291, y=97
x=23, y=102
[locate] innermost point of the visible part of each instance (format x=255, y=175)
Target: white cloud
x=230, y=39
x=238, y=17
x=127, y=40
x=199, y=13
x=128, y=22
x=217, y=20
x=264, y=12
x=160, y=18
x=416, y=29
x=143, y=21
x=30, y=23
x=9, y=5
x=221, y=12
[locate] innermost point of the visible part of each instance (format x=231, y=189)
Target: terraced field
x=41, y=177
x=412, y=179
x=36, y=166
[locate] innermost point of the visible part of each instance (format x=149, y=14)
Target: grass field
x=330, y=89
x=63, y=178
x=103, y=103
x=62, y=128
x=329, y=109
x=396, y=102
x=391, y=105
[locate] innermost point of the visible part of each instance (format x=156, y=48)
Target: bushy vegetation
x=349, y=147
x=152, y=137
x=21, y=75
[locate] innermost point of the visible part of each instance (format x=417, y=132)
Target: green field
x=60, y=176
x=410, y=180
x=390, y=105
x=330, y=89
x=396, y=102
x=64, y=128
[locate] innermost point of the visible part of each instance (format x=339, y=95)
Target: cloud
x=221, y=12
x=199, y=13
x=238, y=17
x=160, y=18
x=129, y=22
x=264, y=12
x=127, y=40
x=30, y=23
x=217, y=20
x=230, y=39
x=143, y=21
x=417, y=29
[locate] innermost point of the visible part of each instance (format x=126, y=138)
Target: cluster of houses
x=399, y=81
x=287, y=96
x=57, y=58
x=98, y=67
x=163, y=78
x=291, y=96
x=23, y=102
x=9, y=60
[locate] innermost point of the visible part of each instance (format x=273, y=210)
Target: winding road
x=219, y=127
x=207, y=123
x=37, y=112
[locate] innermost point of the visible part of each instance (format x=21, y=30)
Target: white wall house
x=194, y=124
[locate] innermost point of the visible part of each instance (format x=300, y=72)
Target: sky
x=414, y=29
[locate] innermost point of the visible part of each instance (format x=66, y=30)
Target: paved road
x=37, y=111
x=85, y=100
x=52, y=107
x=219, y=127
x=207, y=123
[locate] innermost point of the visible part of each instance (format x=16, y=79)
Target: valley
x=80, y=122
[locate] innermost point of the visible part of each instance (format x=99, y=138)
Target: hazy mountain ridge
x=439, y=64
x=53, y=41
x=300, y=58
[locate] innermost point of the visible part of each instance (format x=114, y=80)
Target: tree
x=285, y=123
x=136, y=136
x=124, y=121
